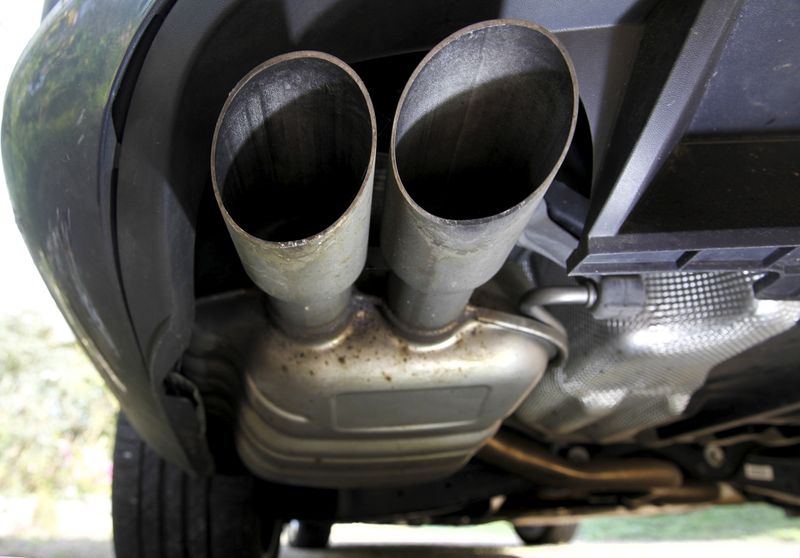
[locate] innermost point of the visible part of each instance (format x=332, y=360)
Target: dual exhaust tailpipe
x=338, y=395
x=480, y=130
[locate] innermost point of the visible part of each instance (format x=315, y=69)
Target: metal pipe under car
x=524, y=458
x=293, y=166
x=480, y=131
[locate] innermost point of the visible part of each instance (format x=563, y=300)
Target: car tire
x=309, y=534
x=158, y=511
x=550, y=534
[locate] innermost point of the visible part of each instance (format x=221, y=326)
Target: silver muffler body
x=367, y=406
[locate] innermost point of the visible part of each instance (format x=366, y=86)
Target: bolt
x=578, y=454
x=714, y=455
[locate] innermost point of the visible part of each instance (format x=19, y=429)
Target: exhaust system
x=480, y=131
x=524, y=458
x=346, y=391
x=292, y=168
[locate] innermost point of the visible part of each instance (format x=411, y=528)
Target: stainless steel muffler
x=293, y=162
x=480, y=131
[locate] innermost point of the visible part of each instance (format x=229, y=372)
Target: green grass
x=739, y=522
x=749, y=521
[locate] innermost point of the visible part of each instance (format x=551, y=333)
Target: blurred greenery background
x=57, y=419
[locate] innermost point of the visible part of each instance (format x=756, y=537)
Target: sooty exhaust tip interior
x=485, y=120
x=292, y=148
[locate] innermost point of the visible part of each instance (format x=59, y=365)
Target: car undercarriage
x=422, y=262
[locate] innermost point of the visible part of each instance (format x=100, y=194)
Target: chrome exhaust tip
x=292, y=164
x=482, y=126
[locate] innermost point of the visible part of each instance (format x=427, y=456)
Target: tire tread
x=159, y=511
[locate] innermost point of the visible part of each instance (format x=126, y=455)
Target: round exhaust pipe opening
x=481, y=129
x=293, y=146
x=485, y=120
x=292, y=164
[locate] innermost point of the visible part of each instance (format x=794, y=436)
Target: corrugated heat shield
x=626, y=376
